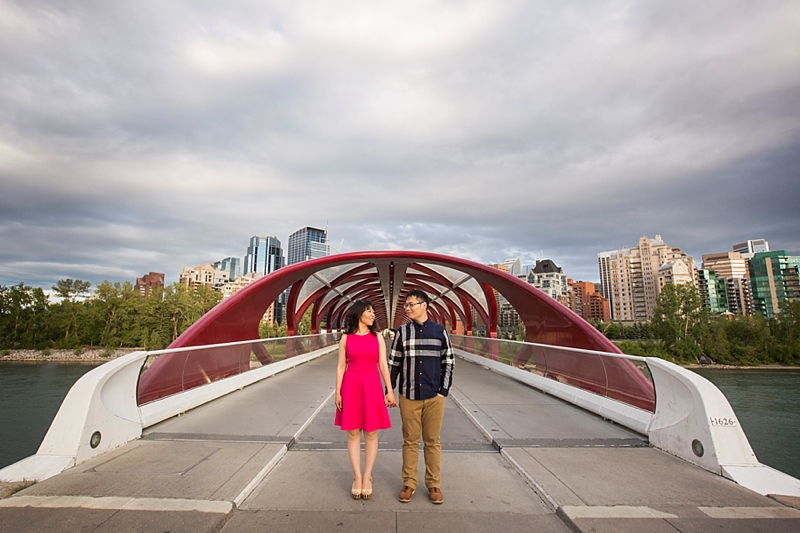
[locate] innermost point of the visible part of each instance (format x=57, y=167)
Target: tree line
x=683, y=332
x=117, y=316
x=113, y=316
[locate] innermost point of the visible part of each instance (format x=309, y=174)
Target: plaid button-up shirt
x=422, y=356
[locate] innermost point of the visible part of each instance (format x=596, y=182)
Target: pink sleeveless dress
x=363, y=405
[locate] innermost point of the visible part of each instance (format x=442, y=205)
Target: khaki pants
x=422, y=418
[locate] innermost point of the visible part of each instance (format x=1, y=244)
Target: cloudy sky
x=139, y=136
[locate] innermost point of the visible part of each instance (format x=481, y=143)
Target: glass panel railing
x=617, y=376
x=168, y=372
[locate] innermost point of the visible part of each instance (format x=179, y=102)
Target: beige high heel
x=356, y=492
x=367, y=493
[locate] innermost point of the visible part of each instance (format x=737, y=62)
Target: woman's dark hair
x=351, y=321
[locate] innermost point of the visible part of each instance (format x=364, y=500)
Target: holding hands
x=391, y=401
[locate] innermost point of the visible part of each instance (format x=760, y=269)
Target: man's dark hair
x=420, y=295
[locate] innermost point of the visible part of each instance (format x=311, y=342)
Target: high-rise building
x=676, y=272
x=264, y=255
x=229, y=265
x=203, y=275
x=739, y=296
x=726, y=264
x=307, y=243
x=730, y=268
x=713, y=291
x=630, y=277
x=749, y=248
x=148, y=282
x=514, y=266
x=587, y=302
x=549, y=278
x=774, y=279
x=507, y=316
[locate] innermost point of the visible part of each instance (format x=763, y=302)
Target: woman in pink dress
x=360, y=401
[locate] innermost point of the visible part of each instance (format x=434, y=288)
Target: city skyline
x=140, y=138
x=597, y=277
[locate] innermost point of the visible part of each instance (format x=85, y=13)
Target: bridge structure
x=225, y=431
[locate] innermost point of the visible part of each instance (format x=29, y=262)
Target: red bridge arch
x=460, y=291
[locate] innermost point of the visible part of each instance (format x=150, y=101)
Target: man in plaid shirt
x=422, y=356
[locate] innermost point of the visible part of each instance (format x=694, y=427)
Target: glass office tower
x=230, y=265
x=264, y=255
x=307, y=243
x=774, y=278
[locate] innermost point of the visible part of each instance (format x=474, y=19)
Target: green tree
x=271, y=331
x=181, y=307
x=611, y=330
x=24, y=317
x=677, y=319
x=71, y=292
x=117, y=311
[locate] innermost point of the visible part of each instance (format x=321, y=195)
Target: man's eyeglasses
x=409, y=305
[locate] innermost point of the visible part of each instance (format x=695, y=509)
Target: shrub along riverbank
x=681, y=331
x=113, y=316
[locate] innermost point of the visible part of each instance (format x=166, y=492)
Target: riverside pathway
x=268, y=458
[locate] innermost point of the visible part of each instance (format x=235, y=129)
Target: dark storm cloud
x=147, y=136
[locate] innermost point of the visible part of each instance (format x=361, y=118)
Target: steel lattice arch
x=458, y=289
x=461, y=291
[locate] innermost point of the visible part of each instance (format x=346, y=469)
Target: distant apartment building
x=264, y=255
x=232, y=287
x=774, y=279
x=739, y=296
x=205, y=275
x=631, y=278
x=726, y=264
x=507, y=316
x=676, y=272
x=728, y=269
x=750, y=248
x=549, y=278
x=713, y=291
x=587, y=302
x=231, y=266
x=148, y=282
x=307, y=243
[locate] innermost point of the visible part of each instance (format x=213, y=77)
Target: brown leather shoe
x=406, y=494
x=436, y=495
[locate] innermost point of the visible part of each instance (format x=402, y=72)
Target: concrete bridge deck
x=268, y=458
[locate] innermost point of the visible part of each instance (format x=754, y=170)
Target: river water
x=30, y=395
x=767, y=403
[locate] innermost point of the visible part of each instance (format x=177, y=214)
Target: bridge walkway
x=273, y=450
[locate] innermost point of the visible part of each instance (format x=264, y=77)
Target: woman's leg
x=370, y=453
x=354, y=451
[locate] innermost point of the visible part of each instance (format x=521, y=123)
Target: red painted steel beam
x=237, y=318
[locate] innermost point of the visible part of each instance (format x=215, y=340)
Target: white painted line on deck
x=314, y=414
x=742, y=513
x=119, y=504
x=616, y=511
x=260, y=476
x=264, y=472
x=548, y=500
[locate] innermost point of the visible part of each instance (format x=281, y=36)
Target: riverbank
x=98, y=355
x=769, y=366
